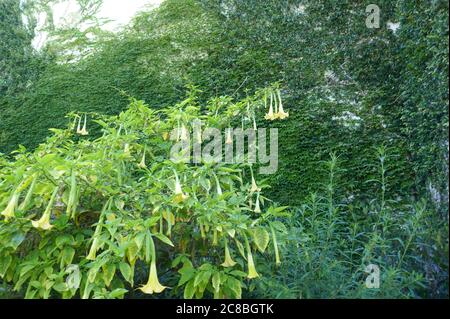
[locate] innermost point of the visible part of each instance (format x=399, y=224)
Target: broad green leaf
x=261, y=238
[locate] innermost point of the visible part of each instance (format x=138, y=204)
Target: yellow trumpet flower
x=93, y=251
x=184, y=134
x=142, y=163
x=275, y=246
x=229, y=262
x=82, y=131
x=281, y=114
x=270, y=115
x=126, y=148
x=257, y=207
x=9, y=211
x=229, y=139
x=254, y=188
x=28, y=196
x=179, y=195
x=79, y=125
x=252, y=273
x=219, y=189
x=44, y=222
x=95, y=243
x=153, y=285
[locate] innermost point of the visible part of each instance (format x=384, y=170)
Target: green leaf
x=235, y=286
x=63, y=240
x=118, y=293
x=186, y=275
x=189, y=290
x=241, y=249
x=164, y=239
x=261, y=238
x=67, y=255
x=109, y=271
x=279, y=226
x=5, y=262
x=126, y=271
x=61, y=287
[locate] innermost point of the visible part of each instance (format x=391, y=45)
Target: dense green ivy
x=331, y=65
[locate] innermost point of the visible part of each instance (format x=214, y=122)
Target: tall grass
x=332, y=238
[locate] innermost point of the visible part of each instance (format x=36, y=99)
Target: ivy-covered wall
x=349, y=89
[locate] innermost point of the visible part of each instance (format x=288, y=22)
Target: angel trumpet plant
x=219, y=189
x=92, y=255
x=184, y=133
x=44, y=222
x=126, y=148
x=229, y=262
x=9, y=211
x=142, y=163
x=82, y=131
x=26, y=201
x=70, y=210
x=270, y=115
x=153, y=285
x=252, y=273
x=275, y=246
x=257, y=207
x=229, y=139
x=179, y=195
x=281, y=114
x=254, y=188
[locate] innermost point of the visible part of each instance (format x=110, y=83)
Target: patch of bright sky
x=120, y=12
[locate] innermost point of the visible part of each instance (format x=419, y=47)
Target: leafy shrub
x=88, y=217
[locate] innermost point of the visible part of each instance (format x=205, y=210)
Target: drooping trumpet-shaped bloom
x=153, y=285
x=219, y=189
x=275, y=246
x=126, y=148
x=70, y=210
x=83, y=131
x=255, y=127
x=270, y=115
x=142, y=163
x=9, y=211
x=281, y=114
x=93, y=250
x=252, y=273
x=229, y=139
x=229, y=262
x=184, y=133
x=28, y=196
x=79, y=125
x=257, y=207
x=254, y=188
x=179, y=195
x=44, y=222
x=95, y=243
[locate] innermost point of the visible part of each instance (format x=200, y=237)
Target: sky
x=119, y=11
